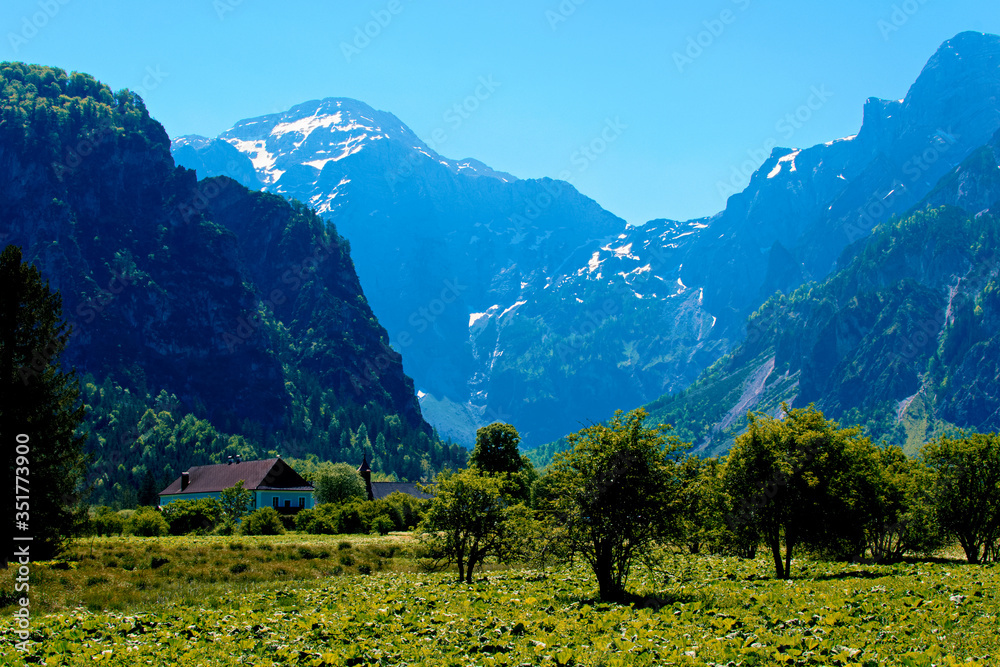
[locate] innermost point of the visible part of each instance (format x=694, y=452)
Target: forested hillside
x=234, y=320
x=904, y=341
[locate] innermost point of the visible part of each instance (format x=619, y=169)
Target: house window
x=288, y=503
x=302, y=502
x=276, y=502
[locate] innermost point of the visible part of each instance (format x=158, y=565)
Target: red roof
x=256, y=476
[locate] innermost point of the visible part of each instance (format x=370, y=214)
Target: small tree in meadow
x=465, y=522
x=613, y=493
x=496, y=453
x=966, y=491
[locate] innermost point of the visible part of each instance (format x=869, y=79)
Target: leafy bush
x=397, y=512
x=192, y=516
x=409, y=510
x=264, y=521
x=107, y=522
x=371, y=510
x=147, y=522
x=319, y=521
x=304, y=519
x=382, y=524
x=227, y=527
x=288, y=521
x=349, y=520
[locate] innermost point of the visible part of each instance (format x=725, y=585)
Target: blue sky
x=697, y=91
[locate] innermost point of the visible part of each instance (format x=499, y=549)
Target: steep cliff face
x=307, y=282
x=678, y=294
x=902, y=338
x=244, y=306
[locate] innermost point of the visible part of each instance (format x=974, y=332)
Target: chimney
x=366, y=474
x=185, y=480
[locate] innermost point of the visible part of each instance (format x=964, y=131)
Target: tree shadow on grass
x=936, y=560
x=850, y=574
x=651, y=601
x=870, y=574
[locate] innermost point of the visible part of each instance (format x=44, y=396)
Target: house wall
x=267, y=498
x=187, y=496
x=258, y=498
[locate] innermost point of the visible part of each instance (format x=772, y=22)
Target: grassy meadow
x=362, y=600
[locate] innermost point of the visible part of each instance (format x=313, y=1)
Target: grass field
x=303, y=600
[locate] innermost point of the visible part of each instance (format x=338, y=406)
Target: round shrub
x=192, y=516
x=107, y=522
x=349, y=521
x=146, y=522
x=304, y=519
x=323, y=520
x=382, y=524
x=263, y=521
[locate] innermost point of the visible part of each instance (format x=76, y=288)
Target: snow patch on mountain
x=517, y=304
x=305, y=126
x=257, y=152
x=790, y=158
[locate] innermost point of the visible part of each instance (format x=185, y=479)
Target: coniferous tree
x=40, y=412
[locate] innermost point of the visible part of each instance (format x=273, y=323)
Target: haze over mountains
x=524, y=301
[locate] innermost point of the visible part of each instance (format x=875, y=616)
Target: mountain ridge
x=543, y=330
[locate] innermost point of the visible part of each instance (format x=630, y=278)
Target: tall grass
x=140, y=573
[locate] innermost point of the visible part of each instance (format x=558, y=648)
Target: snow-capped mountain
x=289, y=151
x=524, y=301
x=434, y=239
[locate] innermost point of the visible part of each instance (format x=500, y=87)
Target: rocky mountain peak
x=960, y=83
